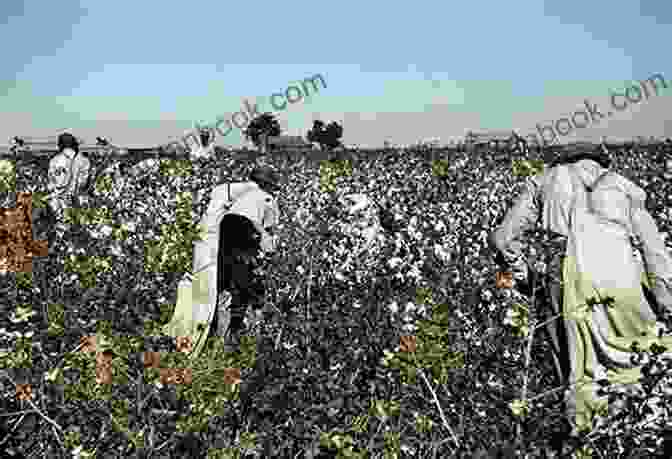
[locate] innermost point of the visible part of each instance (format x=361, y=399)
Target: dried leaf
x=408, y=344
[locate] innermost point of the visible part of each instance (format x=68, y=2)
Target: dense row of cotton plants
x=356, y=249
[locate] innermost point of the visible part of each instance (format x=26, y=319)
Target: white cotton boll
x=394, y=262
x=116, y=250
x=408, y=328
x=414, y=273
x=393, y=307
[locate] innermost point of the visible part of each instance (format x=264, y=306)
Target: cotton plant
x=21, y=314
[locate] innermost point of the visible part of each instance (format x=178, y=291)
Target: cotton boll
x=409, y=328
x=394, y=262
x=393, y=307
x=116, y=250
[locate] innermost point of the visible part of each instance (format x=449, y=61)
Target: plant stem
x=438, y=406
x=36, y=409
x=528, y=355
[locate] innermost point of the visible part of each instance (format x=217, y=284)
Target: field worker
x=68, y=173
x=606, y=244
x=245, y=232
x=200, y=143
x=206, y=146
x=239, y=225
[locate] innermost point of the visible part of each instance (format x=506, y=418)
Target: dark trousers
x=551, y=305
x=236, y=260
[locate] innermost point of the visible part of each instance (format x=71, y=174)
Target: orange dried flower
x=408, y=344
x=504, y=280
x=184, y=344
x=24, y=391
x=88, y=343
x=151, y=359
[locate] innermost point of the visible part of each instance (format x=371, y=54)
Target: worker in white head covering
x=595, y=217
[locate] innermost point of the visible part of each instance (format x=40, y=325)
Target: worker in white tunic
x=68, y=174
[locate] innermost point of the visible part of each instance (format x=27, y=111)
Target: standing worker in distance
x=68, y=174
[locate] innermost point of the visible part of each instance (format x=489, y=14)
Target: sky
x=142, y=73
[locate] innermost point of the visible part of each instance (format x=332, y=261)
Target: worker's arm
x=505, y=240
x=270, y=222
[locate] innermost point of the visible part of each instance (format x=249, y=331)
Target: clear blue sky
x=143, y=72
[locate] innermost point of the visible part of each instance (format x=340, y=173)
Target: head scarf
x=568, y=186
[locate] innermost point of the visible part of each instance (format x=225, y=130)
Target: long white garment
x=197, y=294
x=601, y=262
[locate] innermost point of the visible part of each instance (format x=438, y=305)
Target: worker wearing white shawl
x=207, y=292
x=599, y=259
